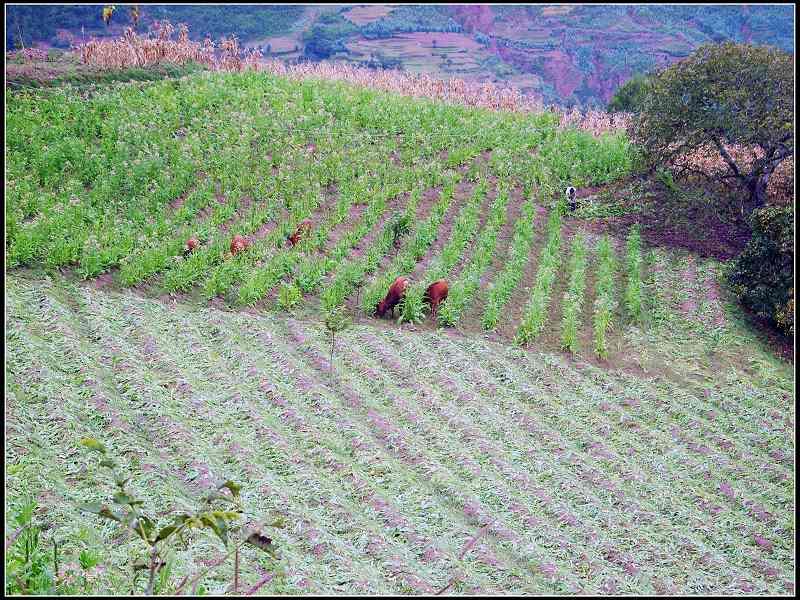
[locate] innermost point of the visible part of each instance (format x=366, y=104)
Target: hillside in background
x=567, y=55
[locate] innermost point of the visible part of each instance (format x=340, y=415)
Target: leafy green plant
x=27, y=561
x=125, y=510
x=289, y=295
x=336, y=321
x=762, y=276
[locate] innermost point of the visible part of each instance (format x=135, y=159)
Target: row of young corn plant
x=350, y=275
x=462, y=292
x=312, y=270
x=536, y=310
x=297, y=188
x=167, y=243
x=464, y=229
x=507, y=280
x=633, y=290
x=418, y=242
x=573, y=297
x=309, y=271
x=605, y=302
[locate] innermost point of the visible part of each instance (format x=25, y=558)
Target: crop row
x=418, y=242
x=464, y=229
x=605, y=303
x=507, y=280
x=573, y=297
x=463, y=290
x=633, y=291
x=536, y=310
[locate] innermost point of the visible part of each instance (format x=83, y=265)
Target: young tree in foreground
x=719, y=97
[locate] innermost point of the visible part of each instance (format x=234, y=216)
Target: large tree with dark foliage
x=723, y=95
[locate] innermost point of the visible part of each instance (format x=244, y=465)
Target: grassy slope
x=589, y=479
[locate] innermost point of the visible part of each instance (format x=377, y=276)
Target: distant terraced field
x=588, y=415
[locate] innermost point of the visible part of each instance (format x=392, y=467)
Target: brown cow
x=303, y=230
x=191, y=245
x=435, y=295
x=396, y=293
x=239, y=244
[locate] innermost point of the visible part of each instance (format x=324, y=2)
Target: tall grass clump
x=604, y=304
x=536, y=309
x=573, y=297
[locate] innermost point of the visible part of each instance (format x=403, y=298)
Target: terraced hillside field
x=585, y=413
x=116, y=184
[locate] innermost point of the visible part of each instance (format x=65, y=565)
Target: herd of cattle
x=434, y=295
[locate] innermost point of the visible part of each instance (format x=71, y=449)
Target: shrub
x=630, y=95
x=720, y=96
x=763, y=274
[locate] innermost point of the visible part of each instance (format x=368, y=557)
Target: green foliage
x=573, y=297
x=633, y=291
x=630, y=96
x=536, y=310
x=400, y=225
x=289, y=296
x=721, y=95
x=462, y=292
x=605, y=303
x=125, y=510
x=409, y=18
x=763, y=274
x=413, y=307
x=506, y=282
x=26, y=561
x=328, y=36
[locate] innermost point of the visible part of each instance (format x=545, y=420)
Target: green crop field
x=586, y=414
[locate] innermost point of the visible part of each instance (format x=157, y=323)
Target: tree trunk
x=757, y=186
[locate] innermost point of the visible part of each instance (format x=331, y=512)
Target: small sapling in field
x=218, y=513
x=335, y=321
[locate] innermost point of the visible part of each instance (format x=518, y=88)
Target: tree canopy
x=734, y=101
x=630, y=95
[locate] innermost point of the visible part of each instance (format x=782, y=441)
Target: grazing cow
x=570, y=192
x=435, y=295
x=239, y=244
x=303, y=230
x=396, y=293
x=191, y=245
